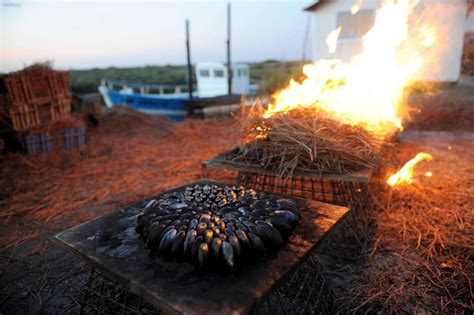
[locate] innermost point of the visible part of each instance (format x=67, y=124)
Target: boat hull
x=176, y=107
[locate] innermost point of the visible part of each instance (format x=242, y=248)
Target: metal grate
x=344, y=192
x=102, y=295
x=340, y=192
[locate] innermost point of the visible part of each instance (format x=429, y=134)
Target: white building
x=211, y=79
x=450, y=17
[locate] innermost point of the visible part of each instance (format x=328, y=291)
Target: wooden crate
x=59, y=84
x=17, y=92
x=61, y=108
x=23, y=117
x=37, y=85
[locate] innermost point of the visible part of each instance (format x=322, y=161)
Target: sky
x=95, y=34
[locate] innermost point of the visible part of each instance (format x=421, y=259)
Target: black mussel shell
x=234, y=241
x=154, y=237
x=216, y=247
x=289, y=216
x=256, y=244
x=228, y=254
x=201, y=227
x=203, y=255
x=188, y=241
x=142, y=221
x=259, y=205
x=178, y=243
x=165, y=244
x=151, y=203
x=269, y=234
x=208, y=236
x=287, y=203
x=193, y=224
x=195, y=248
x=281, y=225
x=242, y=236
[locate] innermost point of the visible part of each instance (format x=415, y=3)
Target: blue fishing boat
x=174, y=101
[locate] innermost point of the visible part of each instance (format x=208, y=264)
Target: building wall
x=443, y=65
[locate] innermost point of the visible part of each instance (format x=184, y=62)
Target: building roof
x=316, y=6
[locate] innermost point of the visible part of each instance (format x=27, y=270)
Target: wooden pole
x=229, y=69
x=188, y=54
x=305, y=39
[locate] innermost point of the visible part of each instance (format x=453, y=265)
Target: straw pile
x=305, y=140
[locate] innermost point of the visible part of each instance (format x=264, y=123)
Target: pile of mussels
x=212, y=224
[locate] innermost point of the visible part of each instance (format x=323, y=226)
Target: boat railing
x=145, y=88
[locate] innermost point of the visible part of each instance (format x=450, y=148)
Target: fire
x=405, y=174
x=331, y=40
x=367, y=90
x=356, y=7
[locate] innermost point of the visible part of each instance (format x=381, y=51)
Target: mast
x=229, y=69
x=188, y=55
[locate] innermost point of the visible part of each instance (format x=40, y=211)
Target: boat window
x=218, y=73
x=204, y=73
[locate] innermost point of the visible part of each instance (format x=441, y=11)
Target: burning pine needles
x=305, y=139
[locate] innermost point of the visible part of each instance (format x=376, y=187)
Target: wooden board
x=111, y=244
x=220, y=162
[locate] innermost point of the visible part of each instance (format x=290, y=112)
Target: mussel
x=215, y=224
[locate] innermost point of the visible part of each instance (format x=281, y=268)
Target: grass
x=270, y=75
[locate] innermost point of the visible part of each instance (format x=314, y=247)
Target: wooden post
x=229, y=69
x=188, y=54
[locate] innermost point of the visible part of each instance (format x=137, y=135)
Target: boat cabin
x=211, y=79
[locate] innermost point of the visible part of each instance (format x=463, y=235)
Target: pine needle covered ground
x=418, y=258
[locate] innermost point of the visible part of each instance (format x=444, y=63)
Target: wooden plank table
x=111, y=244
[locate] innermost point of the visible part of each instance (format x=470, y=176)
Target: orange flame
x=367, y=90
x=355, y=7
x=331, y=40
x=405, y=174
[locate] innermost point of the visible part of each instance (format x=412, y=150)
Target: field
x=269, y=75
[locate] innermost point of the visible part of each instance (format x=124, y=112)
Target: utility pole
x=188, y=53
x=229, y=69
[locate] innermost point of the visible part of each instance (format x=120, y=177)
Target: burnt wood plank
x=111, y=244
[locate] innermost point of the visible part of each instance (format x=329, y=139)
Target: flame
x=427, y=35
x=405, y=174
x=355, y=7
x=331, y=40
x=367, y=90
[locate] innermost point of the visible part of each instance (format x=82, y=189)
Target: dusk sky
x=87, y=34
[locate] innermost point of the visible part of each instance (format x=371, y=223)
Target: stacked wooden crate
x=33, y=99
x=34, y=96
